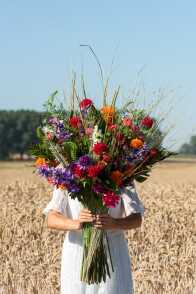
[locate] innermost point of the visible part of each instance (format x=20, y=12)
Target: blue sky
x=40, y=46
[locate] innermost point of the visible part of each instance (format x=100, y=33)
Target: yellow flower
x=136, y=143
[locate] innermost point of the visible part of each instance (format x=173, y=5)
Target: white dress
x=121, y=281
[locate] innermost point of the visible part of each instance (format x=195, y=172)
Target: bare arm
x=58, y=221
x=104, y=221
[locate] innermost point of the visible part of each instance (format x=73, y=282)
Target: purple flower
x=98, y=188
x=53, y=120
x=84, y=160
x=73, y=187
x=64, y=135
x=45, y=171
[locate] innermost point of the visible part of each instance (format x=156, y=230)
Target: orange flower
x=62, y=187
x=40, y=161
x=116, y=177
x=136, y=143
x=108, y=112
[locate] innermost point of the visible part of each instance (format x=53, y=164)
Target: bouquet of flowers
x=93, y=153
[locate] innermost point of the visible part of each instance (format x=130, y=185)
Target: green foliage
x=70, y=150
x=54, y=109
x=40, y=150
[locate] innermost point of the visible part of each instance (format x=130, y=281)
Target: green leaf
x=70, y=148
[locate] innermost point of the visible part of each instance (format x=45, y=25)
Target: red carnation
x=75, y=121
x=147, y=122
x=153, y=152
x=110, y=199
x=85, y=103
x=94, y=170
x=99, y=148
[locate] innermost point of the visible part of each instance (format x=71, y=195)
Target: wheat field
x=162, y=250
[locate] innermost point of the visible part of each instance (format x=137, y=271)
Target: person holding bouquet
x=92, y=158
x=64, y=213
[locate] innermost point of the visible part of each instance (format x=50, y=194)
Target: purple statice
x=45, y=171
x=61, y=133
x=84, y=160
x=98, y=188
x=62, y=176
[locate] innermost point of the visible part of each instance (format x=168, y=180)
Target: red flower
x=78, y=171
x=135, y=129
x=94, y=170
x=112, y=127
x=147, y=122
x=106, y=158
x=50, y=136
x=85, y=103
x=127, y=122
x=153, y=152
x=75, y=121
x=99, y=148
x=110, y=199
x=120, y=137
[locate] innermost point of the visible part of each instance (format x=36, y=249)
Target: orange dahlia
x=40, y=161
x=136, y=143
x=108, y=112
x=116, y=177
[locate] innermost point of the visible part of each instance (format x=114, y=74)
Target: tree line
x=17, y=129
x=17, y=133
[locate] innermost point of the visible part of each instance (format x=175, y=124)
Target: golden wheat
x=162, y=250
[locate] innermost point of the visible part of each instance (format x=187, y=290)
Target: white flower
x=97, y=135
x=46, y=130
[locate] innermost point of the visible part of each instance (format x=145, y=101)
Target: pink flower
x=127, y=122
x=110, y=199
x=112, y=127
x=89, y=131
